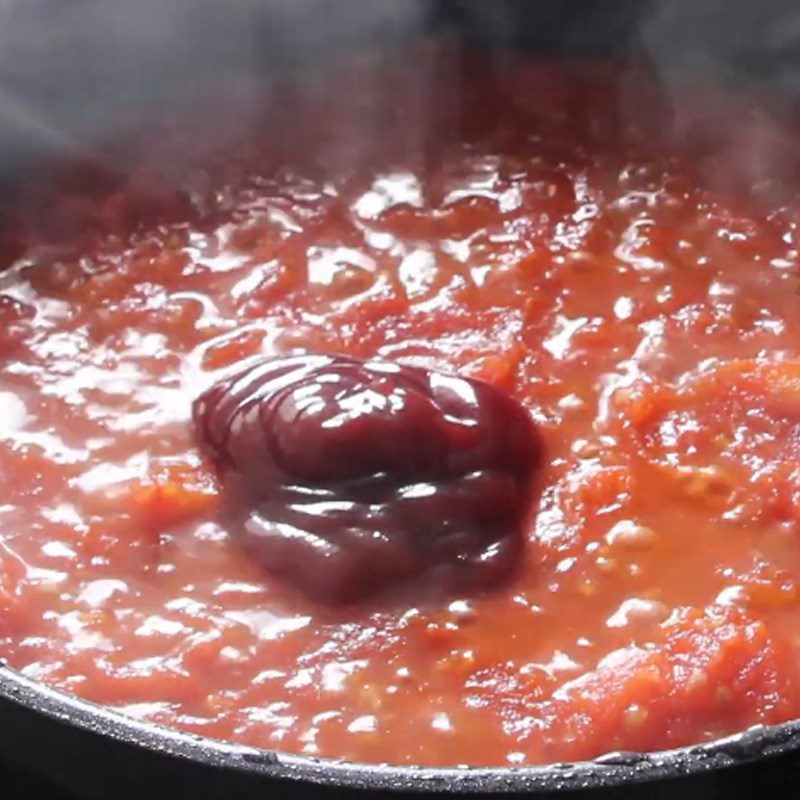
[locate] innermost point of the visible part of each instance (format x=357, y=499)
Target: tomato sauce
x=551, y=237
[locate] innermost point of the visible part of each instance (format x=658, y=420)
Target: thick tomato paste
x=632, y=290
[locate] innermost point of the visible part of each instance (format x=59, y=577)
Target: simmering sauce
x=552, y=242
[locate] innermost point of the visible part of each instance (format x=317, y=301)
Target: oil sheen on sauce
x=641, y=307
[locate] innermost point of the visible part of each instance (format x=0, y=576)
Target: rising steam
x=74, y=74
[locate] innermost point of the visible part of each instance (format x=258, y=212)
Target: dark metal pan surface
x=98, y=752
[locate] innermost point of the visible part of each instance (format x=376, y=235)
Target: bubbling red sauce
x=549, y=249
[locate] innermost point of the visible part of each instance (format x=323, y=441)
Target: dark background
x=70, y=71
x=17, y=785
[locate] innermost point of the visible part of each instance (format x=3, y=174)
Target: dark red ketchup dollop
x=345, y=477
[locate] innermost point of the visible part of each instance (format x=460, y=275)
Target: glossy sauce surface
x=347, y=477
x=639, y=305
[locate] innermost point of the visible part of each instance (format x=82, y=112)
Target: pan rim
x=608, y=771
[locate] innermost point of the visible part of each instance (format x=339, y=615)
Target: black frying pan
x=100, y=753
x=68, y=71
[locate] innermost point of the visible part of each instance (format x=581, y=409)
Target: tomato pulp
x=640, y=304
